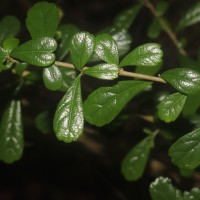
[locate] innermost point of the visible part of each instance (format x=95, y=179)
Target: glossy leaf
x=162, y=189
x=11, y=134
x=37, y=52
x=42, y=20
x=10, y=44
x=9, y=27
x=191, y=17
x=106, y=49
x=52, y=77
x=183, y=79
x=105, y=103
x=135, y=161
x=103, y=71
x=154, y=29
x=68, y=120
x=171, y=106
x=82, y=46
x=127, y=17
x=68, y=77
x=185, y=151
x=43, y=122
x=67, y=32
x=145, y=55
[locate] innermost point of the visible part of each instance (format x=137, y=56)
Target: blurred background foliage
x=90, y=168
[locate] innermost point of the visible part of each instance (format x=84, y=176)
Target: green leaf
x=162, y=189
x=194, y=194
x=67, y=32
x=183, y=79
x=192, y=104
x=192, y=16
x=68, y=120
x=10, y=44
x=9, y=27
x=20, y=68
x=3, y=55
x=126, y=17
x=36, y=52
x=82, y=46
x=106, y=49
x=52, y=78
x=145, y=55
x=171, y=106
x=121, y=37
x=161, y=7
x=135, y=161
x=68, y=77
x=43, y=122
x=11, y=134
x=105, y=103
x=42, y=20
x=103, y=71
x=154, y=29
x=185, y=151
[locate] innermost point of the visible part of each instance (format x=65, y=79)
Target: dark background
x=90, y=168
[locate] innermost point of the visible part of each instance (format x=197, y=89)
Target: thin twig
x=62, y=64
x=141, y=76
x=162, y=23
x=122, y=72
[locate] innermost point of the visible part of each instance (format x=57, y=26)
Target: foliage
x=102, y=56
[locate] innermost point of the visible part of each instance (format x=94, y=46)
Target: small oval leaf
x=42, y=20
x=145, y=55
x=107, y=49
x=154, y=29
x=135, y=161
x=162, y=189
x=52, y=77
x=183, y=79
x=82, y=46
x=10, y=44
x=103, y=71
x=171, y=106
x=36, y=52
x=68, y=120
x=9, y=27
x=185, y=151
x=105, y=103
x=11, y=134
